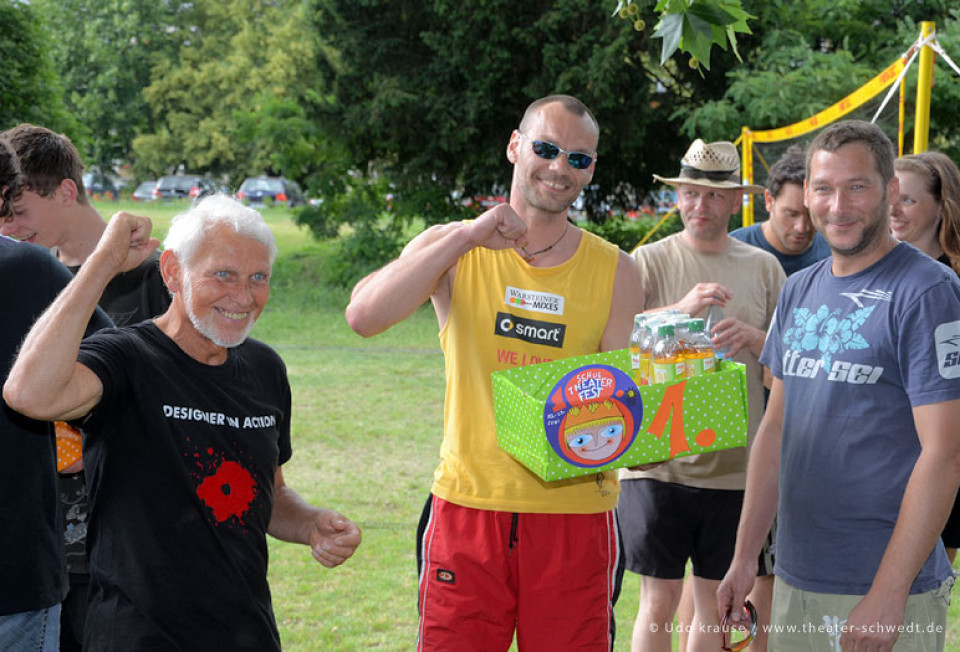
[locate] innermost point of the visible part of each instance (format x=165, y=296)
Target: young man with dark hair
x=54, y=211
x=788, y=233
x=31, y=544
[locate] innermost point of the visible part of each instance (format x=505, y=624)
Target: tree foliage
x=693, y=26
x=236, y=100
x=105, y=51
x=30, y=88
x=391, y=110
x=421, y=99
x=830, y=48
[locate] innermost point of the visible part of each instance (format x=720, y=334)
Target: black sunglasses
x=547, y=150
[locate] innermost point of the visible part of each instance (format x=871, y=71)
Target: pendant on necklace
x=528, y=256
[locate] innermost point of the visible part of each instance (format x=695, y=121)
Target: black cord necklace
x=527, y=256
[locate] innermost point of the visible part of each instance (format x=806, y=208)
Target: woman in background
x=927, y=216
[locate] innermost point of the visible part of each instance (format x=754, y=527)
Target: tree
x=424, y=96
x=105, y=51
x=421, y=100
x=30, y=89
x=238, y=98
x=830, y=48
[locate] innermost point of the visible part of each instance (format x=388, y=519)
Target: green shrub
x=369, y=246
x=627, y=233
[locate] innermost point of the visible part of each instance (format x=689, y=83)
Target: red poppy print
x=228, y=492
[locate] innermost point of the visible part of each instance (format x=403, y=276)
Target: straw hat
x=715, y=165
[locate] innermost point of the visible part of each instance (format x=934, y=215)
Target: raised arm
x=924, y=510
x=46, y=381
x=425, y=268
x=627, y=302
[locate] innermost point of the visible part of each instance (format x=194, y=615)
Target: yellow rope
x=656, y=226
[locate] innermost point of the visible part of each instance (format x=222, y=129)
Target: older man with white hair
x=187, y=426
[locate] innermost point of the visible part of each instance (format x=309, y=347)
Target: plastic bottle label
x=665, y=372
x=693, y=366
x=697, y=366
x=644, y=371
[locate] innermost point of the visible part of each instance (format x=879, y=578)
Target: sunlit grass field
x=366, y=432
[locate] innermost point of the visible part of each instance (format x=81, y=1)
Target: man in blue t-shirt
x=788, y=234
x=858, y=438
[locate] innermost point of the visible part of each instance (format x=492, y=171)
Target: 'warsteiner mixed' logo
x=947, y=337
x=533, y=301
x=530, y=330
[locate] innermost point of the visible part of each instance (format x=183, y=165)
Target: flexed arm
x=425, y=270
x=46, y=381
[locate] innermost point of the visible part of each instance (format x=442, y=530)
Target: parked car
x=144, y=192
x=256, y=190
x=184, y=186
x=98, y=185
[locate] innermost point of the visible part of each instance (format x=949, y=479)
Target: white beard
x=206, y=326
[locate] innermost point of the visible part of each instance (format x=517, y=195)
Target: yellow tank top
x=505, y=313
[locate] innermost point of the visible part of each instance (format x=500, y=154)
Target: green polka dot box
x=586, y=414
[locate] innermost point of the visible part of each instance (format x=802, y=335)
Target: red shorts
x=551, y=578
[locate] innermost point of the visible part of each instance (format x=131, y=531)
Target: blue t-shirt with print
x=753, y=235
x=855, y=355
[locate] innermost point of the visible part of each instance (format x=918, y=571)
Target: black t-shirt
x=129, y=298
x=180, y=459
x=31, y=552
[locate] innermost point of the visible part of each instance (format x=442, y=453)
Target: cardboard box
x=585, y=414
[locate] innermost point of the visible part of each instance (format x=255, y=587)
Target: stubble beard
x=871, y=234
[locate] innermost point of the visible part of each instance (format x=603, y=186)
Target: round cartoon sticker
x=593, y=415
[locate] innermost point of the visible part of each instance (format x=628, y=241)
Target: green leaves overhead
x=694, y=27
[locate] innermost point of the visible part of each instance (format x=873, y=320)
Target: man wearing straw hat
x=687, y=508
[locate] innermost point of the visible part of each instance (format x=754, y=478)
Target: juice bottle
x=646, y=351
x=636, y=337
x=698, y=353
x=667, y=356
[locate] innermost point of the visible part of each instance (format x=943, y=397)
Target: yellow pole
x=921, y=128
x=746, y=163
x=902, y=115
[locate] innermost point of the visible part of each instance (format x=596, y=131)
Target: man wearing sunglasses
x=858, y=454
x=501, y=552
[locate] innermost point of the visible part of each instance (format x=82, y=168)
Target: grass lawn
x=367, y=426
